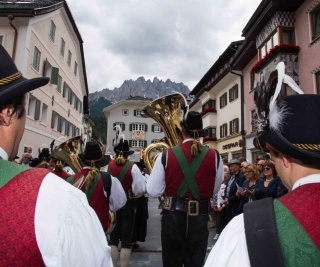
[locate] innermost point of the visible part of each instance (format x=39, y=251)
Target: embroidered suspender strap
x=261, y=234
x=298, y=248
x=9, y=170
x=124, y=171
x=89, y=191
x=189, y=171
x=70, y=179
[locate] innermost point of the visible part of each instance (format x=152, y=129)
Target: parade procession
x=226, y=174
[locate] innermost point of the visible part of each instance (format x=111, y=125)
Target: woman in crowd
x=252, y=188
x=272, y=183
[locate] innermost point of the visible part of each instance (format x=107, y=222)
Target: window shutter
x=130, y=143
x=37, y=110
x=123, y=127
x=134, y=113
x=44, y=68
x=146, y=127
x=221, y=131
x=52, y=119
x=145, y=143
x=130, y=127
x=152, y=128
x=54, y=75
x=59, y=128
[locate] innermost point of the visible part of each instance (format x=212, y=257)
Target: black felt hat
x=299, y=131
x=193, y=124
x=12, y=83
x=123, y=147
x=44, y=153
x=93, y=154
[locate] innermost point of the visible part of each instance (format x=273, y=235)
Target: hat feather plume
x=119, y=136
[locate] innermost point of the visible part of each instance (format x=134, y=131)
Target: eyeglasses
x=266, y=169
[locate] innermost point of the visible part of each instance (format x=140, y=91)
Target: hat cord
x=196, y=145
x=120, y=160
x=91, y=176
x=10, y=78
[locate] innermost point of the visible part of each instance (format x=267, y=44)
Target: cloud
x=177, y=40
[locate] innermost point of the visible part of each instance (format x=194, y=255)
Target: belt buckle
x=190, y=207
x=167, y=203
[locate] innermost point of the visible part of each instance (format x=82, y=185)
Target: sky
x=170, y=39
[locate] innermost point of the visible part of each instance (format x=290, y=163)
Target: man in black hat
x=104, y=192
x=189, y=175
x=44, y=220
x=134, y=184
x=284, y=231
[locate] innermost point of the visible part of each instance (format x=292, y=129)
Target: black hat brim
x=21, y=87
x=277, y=141
x=98, y=163
x=124, y=153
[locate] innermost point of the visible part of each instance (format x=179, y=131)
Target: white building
x=43, y=40
x=139, y=131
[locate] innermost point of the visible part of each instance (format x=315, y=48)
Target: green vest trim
x=10, y=170
x=90, y=190
x=298, y=249
x=70, y=179
x=123, y=172
x=189, y=171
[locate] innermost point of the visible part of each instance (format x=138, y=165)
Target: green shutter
x=152, y=128
x=146, y=128
x=54, y=75
x=123, y=127
x=130, y=143
x=145, y=143
x=130, y=127
x=134, y=113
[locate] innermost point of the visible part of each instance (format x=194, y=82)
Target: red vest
x=18, y=244
x=116, y=170
x=98, y=200
x=205, y=177
x=304, y=204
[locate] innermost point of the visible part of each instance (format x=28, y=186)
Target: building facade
x=43, y=40
x=139, y=131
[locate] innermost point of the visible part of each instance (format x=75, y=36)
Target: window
x=69, y=58
x=34, y=107
x=52, y=31
x=283, y=35
x=210, y=104
x=75, y=71
x=36, y=59
x=223, y=130
x=317, y=76
x=211, y=131
x=44, y=113
x=233, y=93
x=156, y=128
x=137, y=112
x=234, y=126
x=315, y=22
x=223, y=100
x=121, y=124
x=62, y=47
x=65, y=92
x=138, y=127
x=50, y=72
x=59, y=84
x=125, y=112
x=1, y=39
x=137, y=143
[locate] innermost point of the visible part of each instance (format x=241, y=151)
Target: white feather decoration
x=119, y=136
x=277, y=115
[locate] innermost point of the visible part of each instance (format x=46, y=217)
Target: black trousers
x=123, y=229
x=184, y=239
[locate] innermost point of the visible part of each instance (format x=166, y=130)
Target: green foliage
x=96, y=114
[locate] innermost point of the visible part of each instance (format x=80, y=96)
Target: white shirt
x=231, y=248
x=156, y=183
x=117, y=197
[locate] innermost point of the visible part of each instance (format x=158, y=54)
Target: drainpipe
x=11, y=18
x=244, y=151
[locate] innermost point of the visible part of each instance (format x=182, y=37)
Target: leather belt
x=192, y=206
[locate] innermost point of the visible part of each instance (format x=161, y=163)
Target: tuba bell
x=68, y=152
x=167, y=111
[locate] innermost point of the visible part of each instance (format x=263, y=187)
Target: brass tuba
x=167, y=111
x=68, y=152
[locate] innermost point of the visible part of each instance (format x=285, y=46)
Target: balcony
x=209, y=139
x=274, y=52
x=207, y=110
